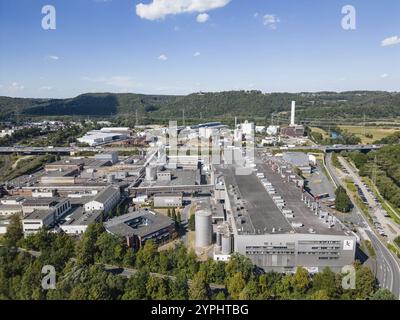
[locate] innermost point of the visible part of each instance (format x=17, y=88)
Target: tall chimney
x=293, y=114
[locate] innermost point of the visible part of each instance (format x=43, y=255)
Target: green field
x=376, y=133
x=325, y=134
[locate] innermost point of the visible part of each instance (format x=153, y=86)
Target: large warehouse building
x=278, y=228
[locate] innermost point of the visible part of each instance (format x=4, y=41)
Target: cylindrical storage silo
x=226, y=247
x=203, y=221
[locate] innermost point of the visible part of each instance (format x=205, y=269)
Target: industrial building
x=43, y=212
x=103, y=136
x=294, y=130
x=105, y=200
x=168, y=200
x=139, y=226
x=11, y=205
x=272, y=222
x=112, y=157
x=78, y=220
x=299, y=160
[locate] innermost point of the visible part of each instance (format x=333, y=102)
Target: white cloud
x=196, y=54
x=159, y=9
x=163, y=57
x=202, y=17
x=256, y=14
x=391, y=41
x=271, y=21
x=53, y=57
x=385, y=75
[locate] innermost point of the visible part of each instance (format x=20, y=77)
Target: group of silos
x=204, y=232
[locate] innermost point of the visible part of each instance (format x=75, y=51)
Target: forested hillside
x=328, y=105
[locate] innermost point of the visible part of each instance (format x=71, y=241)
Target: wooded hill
x=320, y=105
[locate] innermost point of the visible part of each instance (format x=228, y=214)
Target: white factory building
x=43, y=212
x=105, y=135
x=104, y=201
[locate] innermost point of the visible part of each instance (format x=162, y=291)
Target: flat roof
x=78, y=216
x=166, y=195
x=138, y=223
x=180, y=177
x=298, y=159
x=38, y=214
x=105, y=194
x=31, y=202
x=9, y=207
x=260, y=214
x=302, y=214
x=66, y=162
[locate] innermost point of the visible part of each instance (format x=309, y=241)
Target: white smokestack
x=293, y=114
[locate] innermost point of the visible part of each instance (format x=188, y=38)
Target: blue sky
x=193, y=45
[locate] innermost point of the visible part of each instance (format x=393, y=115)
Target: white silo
x=203, y=221
x=226, y=243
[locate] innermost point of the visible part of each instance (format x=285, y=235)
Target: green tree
x=342, y=202
x=14, y=232
x=383, y=294
x=320, y=295
x=326, y=281
x=199, y=288
x=300, y=282
x=365, y=283
x=250, y=291
x=157, y=288
x=147, y=257
x=87, y=249
x=239, y=263
x=179, y=288
x=135, y=287
x=129, y=258
x=235, y=285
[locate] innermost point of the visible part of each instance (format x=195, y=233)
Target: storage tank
x=226, y=246
x=151, y=172
x=203, y=221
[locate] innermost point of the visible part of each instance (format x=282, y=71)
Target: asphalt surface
x=388, y=268
x=392, y=230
